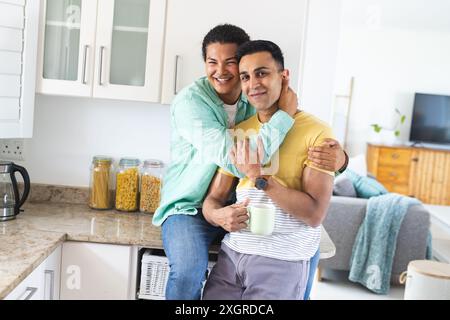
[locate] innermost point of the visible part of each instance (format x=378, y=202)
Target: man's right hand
x=246, y=160
x=233, y=217
x=288, y=101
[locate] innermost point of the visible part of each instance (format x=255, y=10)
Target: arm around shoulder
x=197, y=123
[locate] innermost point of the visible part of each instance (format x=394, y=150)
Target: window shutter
x=12, y=24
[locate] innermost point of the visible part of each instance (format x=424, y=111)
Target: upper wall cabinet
x=188, y=22
x=19, y=21
x=102, y=48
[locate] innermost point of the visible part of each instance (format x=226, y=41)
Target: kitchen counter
x=29, y=239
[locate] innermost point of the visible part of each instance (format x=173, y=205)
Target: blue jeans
x=313, y=263
x=186, y=241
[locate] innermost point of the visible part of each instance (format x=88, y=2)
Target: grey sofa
x=346, y=214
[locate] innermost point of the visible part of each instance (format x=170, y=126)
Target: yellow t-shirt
x=292, y=156
x=292, y=239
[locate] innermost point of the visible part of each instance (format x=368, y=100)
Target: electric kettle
x=10, y=200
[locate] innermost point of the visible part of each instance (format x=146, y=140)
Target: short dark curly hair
x=224, y=33
x=261, y=46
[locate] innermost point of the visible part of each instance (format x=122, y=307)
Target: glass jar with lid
x=151, y=181
x=101, y=185
x=127, y=184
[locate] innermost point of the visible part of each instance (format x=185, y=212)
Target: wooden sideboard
x=422, y=173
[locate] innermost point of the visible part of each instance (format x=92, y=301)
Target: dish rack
x=154, y=274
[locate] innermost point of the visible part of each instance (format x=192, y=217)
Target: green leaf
x=376, y=127
x=402, y=120
x=397, y=133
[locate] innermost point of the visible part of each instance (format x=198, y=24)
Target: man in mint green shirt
x=201, y=115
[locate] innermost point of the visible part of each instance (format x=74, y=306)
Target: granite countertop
x=29, y=239
x=80, y=223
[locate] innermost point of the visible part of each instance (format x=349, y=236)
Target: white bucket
x=426, y=280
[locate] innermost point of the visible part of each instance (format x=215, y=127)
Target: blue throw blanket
x=374, y=247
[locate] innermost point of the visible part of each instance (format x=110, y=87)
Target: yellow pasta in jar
x=127, y=189
x=151, y=185
x=150, y=193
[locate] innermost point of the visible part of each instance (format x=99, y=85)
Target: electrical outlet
x=12, y=149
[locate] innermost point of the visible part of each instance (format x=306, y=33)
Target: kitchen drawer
x=31, y=288
x=393, y=174
x=392, y=157
x=42, y=283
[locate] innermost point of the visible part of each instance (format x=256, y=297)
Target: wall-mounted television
x=431, y=119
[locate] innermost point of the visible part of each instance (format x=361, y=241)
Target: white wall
x=69, y=131
x=319, y=58
x=393, y=49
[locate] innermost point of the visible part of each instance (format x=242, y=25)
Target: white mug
x=261, y=219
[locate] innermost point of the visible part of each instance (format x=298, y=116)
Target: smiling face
x=222, y=70
x=261, y=79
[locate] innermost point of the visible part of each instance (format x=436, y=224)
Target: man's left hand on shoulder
x=328, y=156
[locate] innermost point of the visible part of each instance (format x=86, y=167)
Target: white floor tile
x=336, y=286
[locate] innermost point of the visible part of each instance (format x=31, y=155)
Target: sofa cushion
x=365, y=187
x=343, y=187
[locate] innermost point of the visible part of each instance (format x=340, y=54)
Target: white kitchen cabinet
x=102, y=48
x=18, y=49
x=42, y=283
x=98, y=271
x=282, y=22
x=31, y=288
x=66, y=47
x=51, y=275
x=130, y=35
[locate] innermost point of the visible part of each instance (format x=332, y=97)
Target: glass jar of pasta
x=101, y=186
x=127, y=184
x=151, y=178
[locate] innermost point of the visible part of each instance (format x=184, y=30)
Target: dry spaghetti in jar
x=101, y=186
x=151, y=182
x=127, y=184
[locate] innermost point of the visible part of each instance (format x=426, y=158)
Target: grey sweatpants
x=238, y=276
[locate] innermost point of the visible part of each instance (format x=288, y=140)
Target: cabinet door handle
x=415, y=159
x=175, y=89
x=100, y=68
x=83, y=77
x=29, y=292
x=395, y=156
x=51, y=274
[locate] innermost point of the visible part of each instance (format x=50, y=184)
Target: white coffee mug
x=261, y=219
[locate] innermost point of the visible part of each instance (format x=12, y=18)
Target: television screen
x=431, y=119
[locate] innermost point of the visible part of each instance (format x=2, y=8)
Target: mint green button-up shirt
x=200, y=143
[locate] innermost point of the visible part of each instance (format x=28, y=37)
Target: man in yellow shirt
x=214, y=103
x=274, y=266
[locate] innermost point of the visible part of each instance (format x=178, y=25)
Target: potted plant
x=388, y=135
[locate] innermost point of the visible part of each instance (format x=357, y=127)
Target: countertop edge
x=64, y=238
x=9, y=288
x=49, y=225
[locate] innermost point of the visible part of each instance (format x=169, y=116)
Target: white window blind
x=12, y=24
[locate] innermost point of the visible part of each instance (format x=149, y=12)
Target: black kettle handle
x=26, y=180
